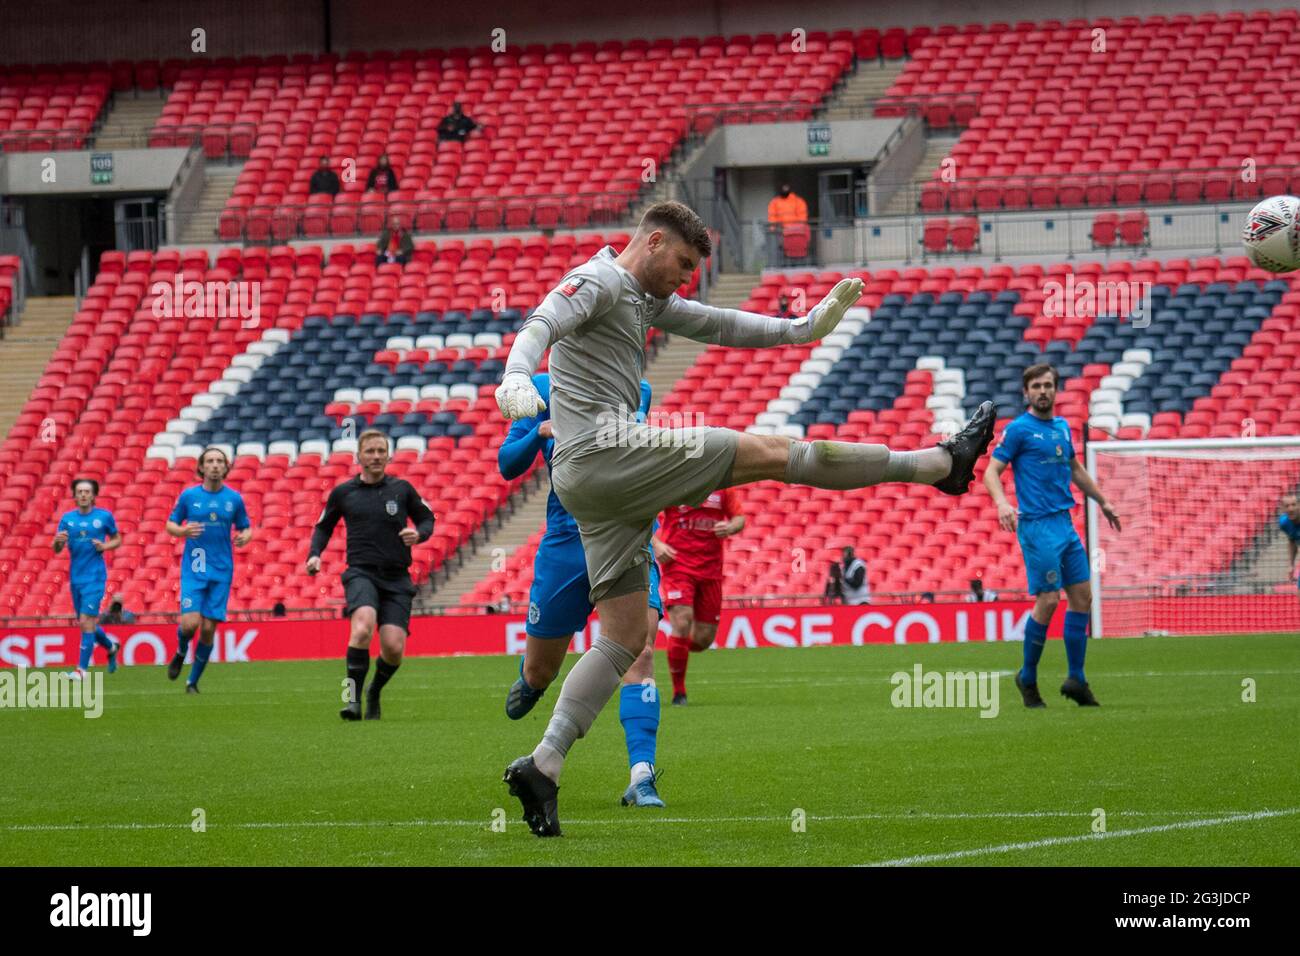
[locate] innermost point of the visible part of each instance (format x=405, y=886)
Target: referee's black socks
x=383, y=671
x=358, y=659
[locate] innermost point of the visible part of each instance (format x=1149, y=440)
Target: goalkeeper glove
x=517, y=396
x=821, y=321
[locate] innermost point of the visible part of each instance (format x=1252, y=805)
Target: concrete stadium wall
x=526, y=21
x=134, y=171
x=81, y=30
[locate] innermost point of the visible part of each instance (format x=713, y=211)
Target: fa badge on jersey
x=390, y=507
x=570, y=288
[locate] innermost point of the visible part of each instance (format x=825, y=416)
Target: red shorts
x=703, y=594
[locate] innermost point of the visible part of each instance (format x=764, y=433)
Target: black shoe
x=679, y=700
x=1030, y=694
x=372, y=708
x=966, y=448
x=352, y=711
x=521, y=699
x=537, y=792
x=191, y=688
x=174, y=666
x=1079, y=692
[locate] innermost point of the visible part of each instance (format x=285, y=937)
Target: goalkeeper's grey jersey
x=596, y=321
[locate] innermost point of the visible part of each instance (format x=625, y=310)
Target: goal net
x=1200, y=550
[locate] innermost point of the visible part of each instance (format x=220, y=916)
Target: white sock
x=641, y=770
x=548, y=761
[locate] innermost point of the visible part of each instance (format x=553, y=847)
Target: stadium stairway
x=201, y=225
x=1263, y=565
x=27, y=347
x=732, y=288
x=904, y=201
x=128, y=121
x=865, y=86
x=528, y=515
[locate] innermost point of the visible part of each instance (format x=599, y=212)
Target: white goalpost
x=1200, y=550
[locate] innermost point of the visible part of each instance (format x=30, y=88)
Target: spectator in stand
x=979, y=593
x=853, y=571
x=783, y=307
x=383, y=178
x=503, y=605
x=324, y=180
x=278, y=610
x=834, y=592
x=786, y=207
x=117, y=614
x=455, y=125
x=927, y=597
x=394, y=245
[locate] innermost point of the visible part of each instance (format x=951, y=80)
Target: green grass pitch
x=1173, y=753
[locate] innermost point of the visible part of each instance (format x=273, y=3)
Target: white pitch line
x=1082, y=838
x=812, y=818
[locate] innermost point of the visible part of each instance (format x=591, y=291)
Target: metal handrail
x=289, y=220
x=1256, y=188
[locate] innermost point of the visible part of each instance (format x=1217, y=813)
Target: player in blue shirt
x=558, y=607
x=1038, y=447
x=203, y=516
x=87, y=532
x=1289, y=522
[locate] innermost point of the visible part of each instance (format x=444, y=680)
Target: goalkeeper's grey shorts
x=615, y=488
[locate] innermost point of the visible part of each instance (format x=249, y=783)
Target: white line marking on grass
x=1084, y=837
x=782, y=819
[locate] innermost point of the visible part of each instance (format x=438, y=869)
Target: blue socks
x=638, y=711
x=1076, y=643
x=1035, y=641
x=87, y=649
x=182, y=642
x=103, y=640
x=201, y=654
x=523, y=678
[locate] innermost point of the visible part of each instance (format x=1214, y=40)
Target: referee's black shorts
x=389, y=595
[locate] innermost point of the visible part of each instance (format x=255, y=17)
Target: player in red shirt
x=688, y=548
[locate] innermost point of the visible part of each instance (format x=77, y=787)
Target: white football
x=1272, y=234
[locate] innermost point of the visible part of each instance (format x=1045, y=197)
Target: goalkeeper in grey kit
x=595, y=323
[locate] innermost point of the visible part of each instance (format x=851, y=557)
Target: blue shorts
x=557, y=601
x=208, y=596
x=1054, y=555
x=87, y=596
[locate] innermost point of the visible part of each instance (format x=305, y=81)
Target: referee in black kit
x=377, y=583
